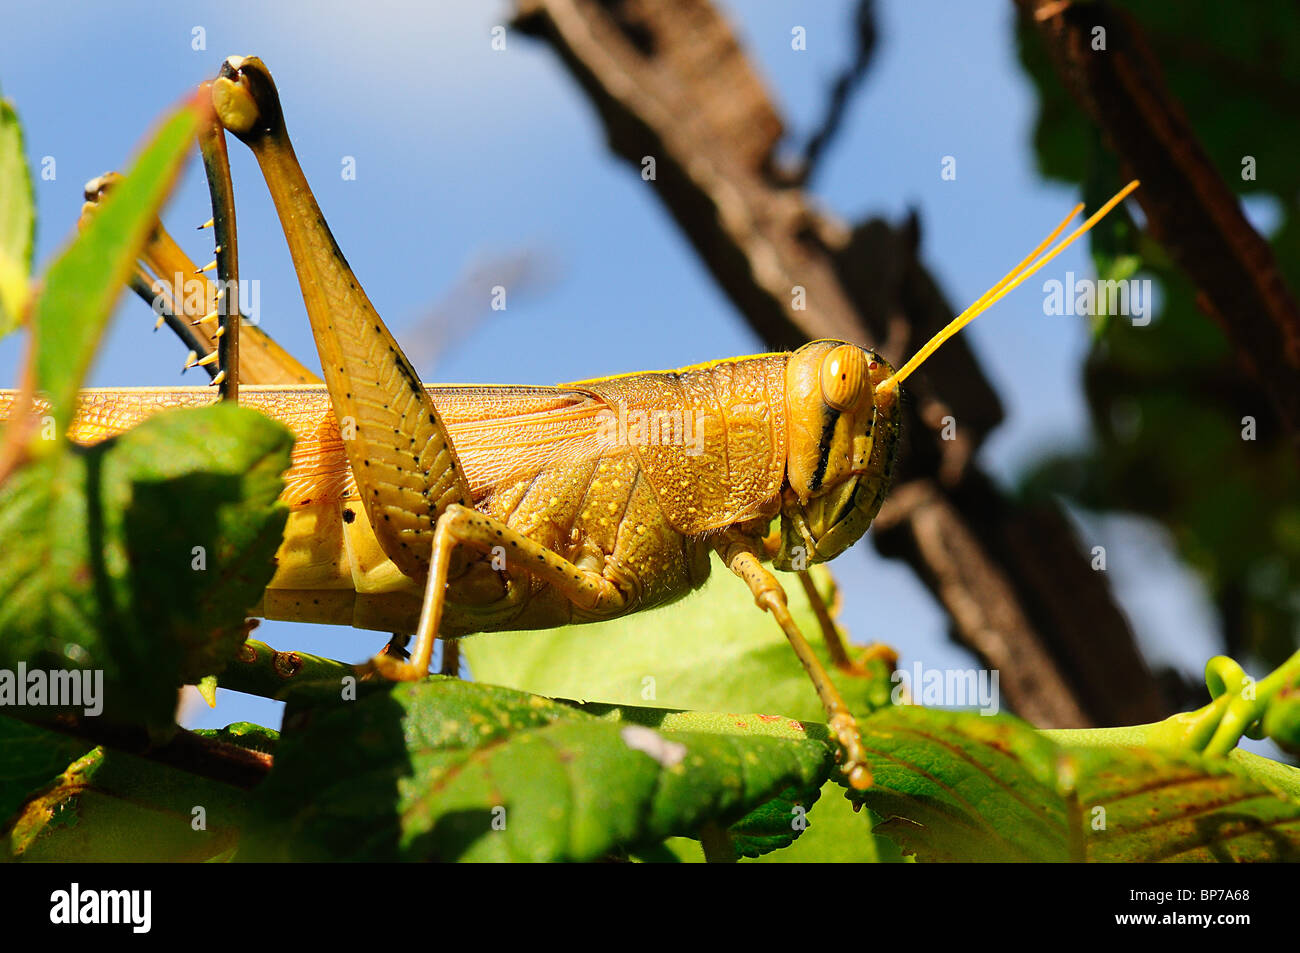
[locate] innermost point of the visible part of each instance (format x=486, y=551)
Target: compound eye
x=845, y=377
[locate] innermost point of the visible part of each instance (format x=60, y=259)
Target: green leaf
x=31, y=757
x=961, y=787
x=452, y=770
x=17, y=220
x=138, y=556
x=777, y=823
x=954, y=786
x=112, y=806
x=836, y=834
x=770, y=826
x=713, y=651
x=80, y=287
x=245, y=734
x=1282, y=778
x=1162, y=806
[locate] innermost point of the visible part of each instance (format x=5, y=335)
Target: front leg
x=739, y=551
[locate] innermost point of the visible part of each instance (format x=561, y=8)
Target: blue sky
x=464, y=155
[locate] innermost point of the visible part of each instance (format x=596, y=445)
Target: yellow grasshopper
x=442, y=511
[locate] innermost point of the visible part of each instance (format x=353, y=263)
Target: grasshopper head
x=842, y=438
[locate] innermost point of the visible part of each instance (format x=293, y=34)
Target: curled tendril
x=1223, y=676
x=1241, y=706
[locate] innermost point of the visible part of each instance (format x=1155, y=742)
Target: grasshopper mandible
x=445, y=511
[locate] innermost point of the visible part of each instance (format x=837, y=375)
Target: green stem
x=1213, y=729
x=716, y=841
x=259, y=669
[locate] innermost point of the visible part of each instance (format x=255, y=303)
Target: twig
x=842, y=90
x=195, y=754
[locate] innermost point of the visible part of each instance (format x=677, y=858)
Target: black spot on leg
x=349, y=516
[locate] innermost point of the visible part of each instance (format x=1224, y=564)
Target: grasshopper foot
x=394, y=669
x=854, y=768
x=858, y=664
x=879, y=650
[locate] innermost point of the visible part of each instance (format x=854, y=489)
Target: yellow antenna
x=1027, y=266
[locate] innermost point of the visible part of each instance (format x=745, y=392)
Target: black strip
x=824, y=449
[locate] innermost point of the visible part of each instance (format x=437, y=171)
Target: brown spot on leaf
x=287, y=664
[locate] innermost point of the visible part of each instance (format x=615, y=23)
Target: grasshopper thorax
x=842, y=439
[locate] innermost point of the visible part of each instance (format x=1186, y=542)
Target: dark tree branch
x=842, y=90
x=1189, y=207
x=670, y=82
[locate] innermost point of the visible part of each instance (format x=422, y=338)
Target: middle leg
x=462, y=526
